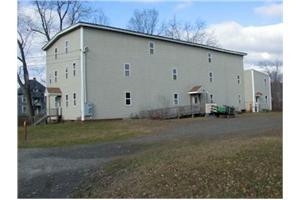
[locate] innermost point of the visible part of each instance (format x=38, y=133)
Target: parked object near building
x=37, y=95
x=257, y=91
x=108, y=72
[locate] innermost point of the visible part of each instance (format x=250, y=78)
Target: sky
x=254, y=27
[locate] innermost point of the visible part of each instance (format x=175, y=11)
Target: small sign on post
x=25, y=130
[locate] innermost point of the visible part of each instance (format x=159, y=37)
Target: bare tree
x=23, y=36
x=56, y=15
x=145, y=21
x=191, y=32
x=273, y=68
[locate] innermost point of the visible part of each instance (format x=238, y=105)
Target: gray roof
x=138, y=34
x=34, y=84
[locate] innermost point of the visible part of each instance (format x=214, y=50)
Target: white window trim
x=174, y=74
x=67, y=47
x=151, y=47
x=67, y=73
x=211, y=77
x=74, y=99
x=178, y=102
x=55, y=76
x=129, y=73
x=55, y=53
x=129, y=98
x=74, y=69
x=209, y=56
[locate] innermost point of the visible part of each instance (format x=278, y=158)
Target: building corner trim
x=82, y=81
x=253, y=91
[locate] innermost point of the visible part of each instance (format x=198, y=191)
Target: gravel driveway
x=56, y=172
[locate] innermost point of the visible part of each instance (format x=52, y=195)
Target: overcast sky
x=254, y=27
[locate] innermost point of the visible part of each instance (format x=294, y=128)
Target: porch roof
x=54, y=91
x=258, y=94
x=195, y=90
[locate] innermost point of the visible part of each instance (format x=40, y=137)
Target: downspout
x=270, y=95
x=253, y=91
x=82, y=75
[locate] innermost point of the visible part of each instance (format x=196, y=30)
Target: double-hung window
x=174, y=74
x=175, y=98
x=210, y=75
x=74, y=69
x=55, y=53
x=55, y=76
x=151, y=47
x=67, y=100
x=67, y=73
x=66, y=46
x=127, y=69
x=209, y=56
x=74, y=99
x=238, y=79
x=127, y=98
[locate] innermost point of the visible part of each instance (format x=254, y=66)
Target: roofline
x=129, y=32
x=265, y=73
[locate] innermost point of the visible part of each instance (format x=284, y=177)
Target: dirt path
x=56, y=172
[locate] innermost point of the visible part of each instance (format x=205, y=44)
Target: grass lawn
x=73, y=133
x=231, y=167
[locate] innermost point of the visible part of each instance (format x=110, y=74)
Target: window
x=55, y=53
x=151, y=47
x=266, y=98
x=265, y=80
x=239, y=99
x=238, y=79
x=50, y=79
x=127, y=98
x=175, y=99
x=74, y=69
x=174, y=74
x=66, y=73
x=126, y=69
x=23, y=99
x=209, y=57
x=195, y=100
x=24, y=109
x=74, y=99
x=67, y=100
x=66, y=47
x=210, y=77
x=211, y=98
x=55, y=76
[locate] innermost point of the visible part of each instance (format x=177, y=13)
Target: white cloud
x=261, y=43
x=183, y=5
x=272, y=10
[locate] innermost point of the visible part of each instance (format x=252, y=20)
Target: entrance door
x=58, y=104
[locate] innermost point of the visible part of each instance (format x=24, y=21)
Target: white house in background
x=102, y=72
x=257, y=91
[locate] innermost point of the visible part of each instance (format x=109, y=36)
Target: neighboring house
x=257, y=91
x=103, y=72
x=37, y=96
